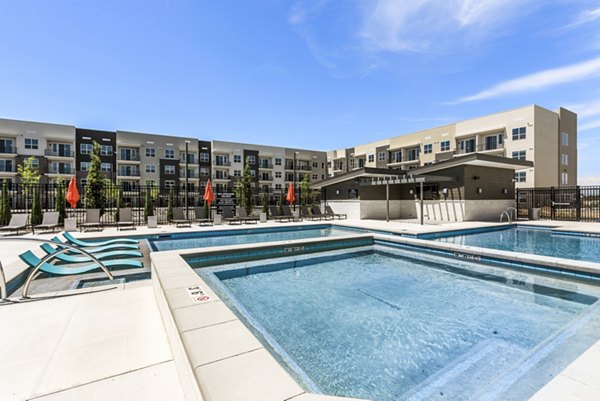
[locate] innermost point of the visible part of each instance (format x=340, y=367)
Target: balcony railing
x=265, y=178
x=60, y=170
x=8, y=150
x=7, y=169
x=192, y=174
x=59, y=153
x=129, y=173
x=265, y=165
x=222, y=163
x=482, y=147
x=191, y=159
x=129, y=158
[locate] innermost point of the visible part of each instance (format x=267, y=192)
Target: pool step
x=469, y=373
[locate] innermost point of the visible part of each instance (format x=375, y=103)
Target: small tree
x=305, y=191
x=95, y=194
x=119, y=203
x=265, y=203
x=36, y=208
x=30, y=176
x=280, y=204
x=247, y=200
x=60, y=200
x=5, y=212
x=148, y=207
x=170, y=205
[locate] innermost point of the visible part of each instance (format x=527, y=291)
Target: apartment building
x=532, y=133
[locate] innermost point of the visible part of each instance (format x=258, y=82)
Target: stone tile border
x=216, y=356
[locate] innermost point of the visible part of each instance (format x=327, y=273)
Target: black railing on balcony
x=8, y=149
x=482, y=147
x=59, y=153
x=129, y=173
x=129, y=158
x=222, y=163
x=61, y=170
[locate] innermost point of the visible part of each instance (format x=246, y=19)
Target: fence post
x=552, y=211
x=578, y=202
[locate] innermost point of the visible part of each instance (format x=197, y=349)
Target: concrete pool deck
x=75, y=335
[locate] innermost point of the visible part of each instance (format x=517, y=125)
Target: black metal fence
x=21, y=199
x=560, y=203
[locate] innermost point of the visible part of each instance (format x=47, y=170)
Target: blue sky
x=320, y=74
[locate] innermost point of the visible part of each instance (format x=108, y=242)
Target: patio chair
x=92, y=220
x=287, y=212
x=317, y=212
x=69, y=237
x=245, y=218
x=32, y=261
x=307, y=214
x=274, y=215
x=64, y=257
x=200, y=216
x=125, y=218
x=17, y=222
x=103, y=248
x=50, y=220
x=329, y=211
x=179, y=219
x=228, y=216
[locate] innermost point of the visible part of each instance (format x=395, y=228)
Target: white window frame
x=105, y=169
x=444, y=146
x=382, y=156
x=151, y=168
x=34, y=143
x=86, y=148
x=371, y=158
x=106, y=150
x=150, y=152
x=169, y=169
x=237, y=158
x=170, y=154
x=84, y=166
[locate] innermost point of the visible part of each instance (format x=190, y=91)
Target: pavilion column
x=421, y=201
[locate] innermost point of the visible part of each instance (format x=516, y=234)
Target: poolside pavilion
x=465, y=188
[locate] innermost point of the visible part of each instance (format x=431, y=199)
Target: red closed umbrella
x=73, y=193
x=291, y=196
x=209, y=196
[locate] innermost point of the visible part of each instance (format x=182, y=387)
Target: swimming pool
x=533, y=240
x=389, y=324
x=204, y=239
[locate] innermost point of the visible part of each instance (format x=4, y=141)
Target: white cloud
x=589, y=180
x=539, y=80
x=589, y=125
x=585, y=17
x=421, y=25
x=587, y=109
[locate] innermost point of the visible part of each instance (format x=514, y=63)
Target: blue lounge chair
x=78, y=242
x=104, y=248
x=82, y=259
x=32, y=261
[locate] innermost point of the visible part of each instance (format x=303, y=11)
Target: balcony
x=222, y=163
x=7, y=168
x=192, y=159
x=265, y=165
x=265, y=178
x=59, y=153
x=60, y=170
x=191, y=175
x=129, y=158
x=129, y=173
x=8, y=150
x=482, y=147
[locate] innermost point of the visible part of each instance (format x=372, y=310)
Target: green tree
x=36, y=208
x=305, y=198
x=59, y=193
x=95, y=193
x=170, y=205
x=265, y=203
x=30, y=176
x=5, y=212
x=246, y=199
x=148, y=207
x=119, y=202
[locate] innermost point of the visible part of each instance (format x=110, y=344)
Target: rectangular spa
x=538, y=241
x=386, y=324
x=204, y=239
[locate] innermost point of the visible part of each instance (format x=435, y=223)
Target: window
x=564, y=159
x=396, y=157
x=520, y=176
x=204, y=157
x=237, y=173
x=151, y=168
x=86, y=148
x=278, y=187
x=413, y=154
x=169, y=183
x=381, y=157
x=564, y=178
x=252, y=173
x=237, y=158
x=289, y=177
x=564, y=139
x=150, y=152
x=519, y=154
x=315, y=164
x=519, y=133
x=352, y=163
x=371, y=158
x=427, y=148
x=150, y=183
x=278, y=161
x=222, y=160
x=106, y=150
x=278, y=174
x=315, y=176
x=6, y=165
x=31, y=143
x=169, y=153
x=35, y=163
x=84, y=166
x=169, y=169
x=445, y=146
x=106, y=167
x=251, y=159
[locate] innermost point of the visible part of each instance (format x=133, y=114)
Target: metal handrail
x=3, y=293
x=45, y=259
x=507, y=214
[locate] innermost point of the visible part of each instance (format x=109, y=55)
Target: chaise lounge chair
x=307, y=214
x=69, y=237
x=179, y=219
x=245, y=218
x=32, y=261
x=287, y=212
x=50, y=220
x=200, y=216
x=17, y=222
x=103, y=248
x=274, y=215
x=329, y=211
x=317, y=212
x=125, y=219
x=83, y=259
x=92, y=220
x=228, y=216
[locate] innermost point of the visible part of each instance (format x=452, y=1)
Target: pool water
x=385, y=327
x=534, y=241
x=235, y=237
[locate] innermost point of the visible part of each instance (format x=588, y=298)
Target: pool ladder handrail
x=45, y=259
x=510, y=220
